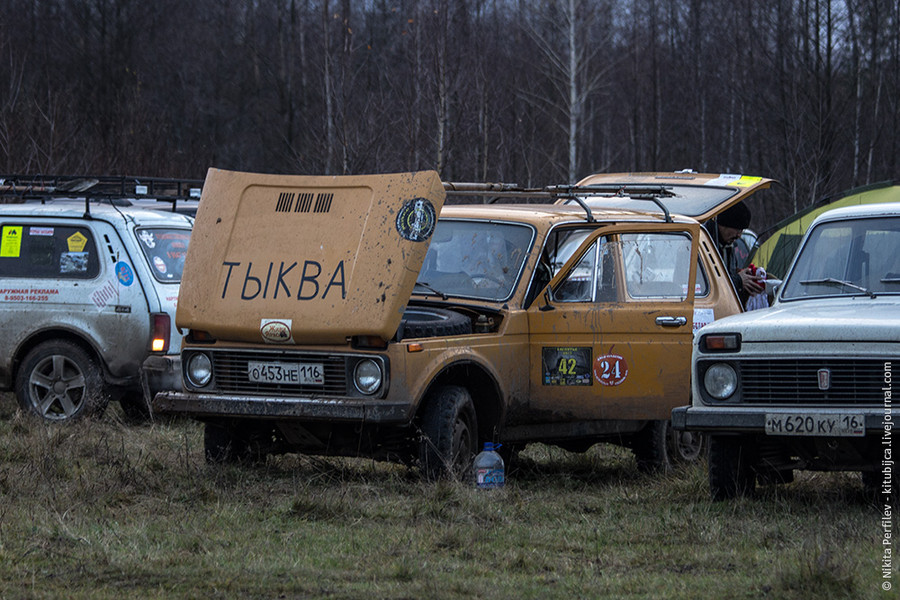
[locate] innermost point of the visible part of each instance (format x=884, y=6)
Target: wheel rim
x=57, y=387
x=687, y=444
x=463, y=445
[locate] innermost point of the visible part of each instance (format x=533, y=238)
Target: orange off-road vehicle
x=361, y=315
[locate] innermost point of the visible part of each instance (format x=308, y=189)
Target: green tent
x=777, y=252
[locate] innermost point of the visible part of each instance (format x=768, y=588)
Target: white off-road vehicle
x=88, y=288
x=807, y=383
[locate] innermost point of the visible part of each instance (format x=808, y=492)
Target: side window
x=701, y=282
x=48, y=251
x=593, y=277
x=657, y=265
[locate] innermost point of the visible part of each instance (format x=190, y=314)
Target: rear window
x=47, y=251
x=165, y=250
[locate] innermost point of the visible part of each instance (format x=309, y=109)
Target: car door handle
x=671, y=321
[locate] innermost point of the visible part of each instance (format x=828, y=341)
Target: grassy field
x=105, y=510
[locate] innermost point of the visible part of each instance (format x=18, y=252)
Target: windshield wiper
x=891, y=280
x=428, y=287
x=840, y=282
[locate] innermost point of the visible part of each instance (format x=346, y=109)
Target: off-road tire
x=228, y=441
x=731, y=468
x=449, y=437
x=425, y=322
x=60, y=382
x=651, y=448
x=134, y=408
x=685, y=447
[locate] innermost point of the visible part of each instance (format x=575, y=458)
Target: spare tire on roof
x=422, y=322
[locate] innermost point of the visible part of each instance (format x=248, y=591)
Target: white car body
x=102, y=289
x=810, y=377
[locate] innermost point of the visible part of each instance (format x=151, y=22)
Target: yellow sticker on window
x=76, y=242
x=11, y=242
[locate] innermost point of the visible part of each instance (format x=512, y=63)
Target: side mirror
x=547, y=306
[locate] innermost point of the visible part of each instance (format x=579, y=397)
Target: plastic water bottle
x=489, y=469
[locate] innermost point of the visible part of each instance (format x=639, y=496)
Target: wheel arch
x=483, y=388
x=62, y=334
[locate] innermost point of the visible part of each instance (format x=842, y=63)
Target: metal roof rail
x=22, y=188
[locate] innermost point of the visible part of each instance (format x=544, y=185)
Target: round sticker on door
x=610, y=369
x=124, y=273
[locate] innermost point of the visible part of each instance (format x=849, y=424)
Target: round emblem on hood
x=277, y=332
x=416, y=220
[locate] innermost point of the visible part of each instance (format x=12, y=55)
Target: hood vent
x=304, y=204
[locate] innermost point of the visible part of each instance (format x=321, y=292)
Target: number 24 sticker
x=610, y=369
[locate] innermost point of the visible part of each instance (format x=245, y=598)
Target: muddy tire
x=731, y=471
x=228, y=441
x=424, y=322
x=134, y=408
x=58, y=381
x=651, y=449
x=449, y=438
x=685, y=447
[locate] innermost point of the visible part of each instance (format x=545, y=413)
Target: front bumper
x=307, y=408
x=752, y=419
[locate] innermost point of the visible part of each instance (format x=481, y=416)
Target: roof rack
x=640, y=191
x=104, y=187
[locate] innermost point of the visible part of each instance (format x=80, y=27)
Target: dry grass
x=104, y=510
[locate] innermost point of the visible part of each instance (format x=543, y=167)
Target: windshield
x=165, y=249
x=474, y=259
x=848, y=258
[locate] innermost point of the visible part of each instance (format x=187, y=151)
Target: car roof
x=859, y=211
x=71, y=208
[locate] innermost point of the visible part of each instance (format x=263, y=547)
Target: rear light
x=162, y=328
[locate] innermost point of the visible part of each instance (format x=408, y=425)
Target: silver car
x=87, y=304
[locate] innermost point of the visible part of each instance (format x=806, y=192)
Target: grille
x=797, y=381
x=230, y=373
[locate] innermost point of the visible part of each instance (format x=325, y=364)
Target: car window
x=165, y=250
x=593, y=277
x=657, y=265
x=47, y=251
x=475, y=259
x=848, y=258
x=701, y=282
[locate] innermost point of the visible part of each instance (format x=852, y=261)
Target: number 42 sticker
x=610, y=369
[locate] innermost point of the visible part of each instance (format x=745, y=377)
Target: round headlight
x=367, y=376
x=720, y=381
x=199, y=370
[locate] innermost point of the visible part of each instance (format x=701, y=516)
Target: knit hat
x=736, y=217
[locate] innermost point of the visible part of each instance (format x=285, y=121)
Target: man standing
x=724, y=230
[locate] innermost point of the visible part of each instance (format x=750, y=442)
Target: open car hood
x=288, y=259
x=700, y=196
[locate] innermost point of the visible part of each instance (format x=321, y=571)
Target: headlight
x=720, y=381
x=367, y=376
x=199, y=370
